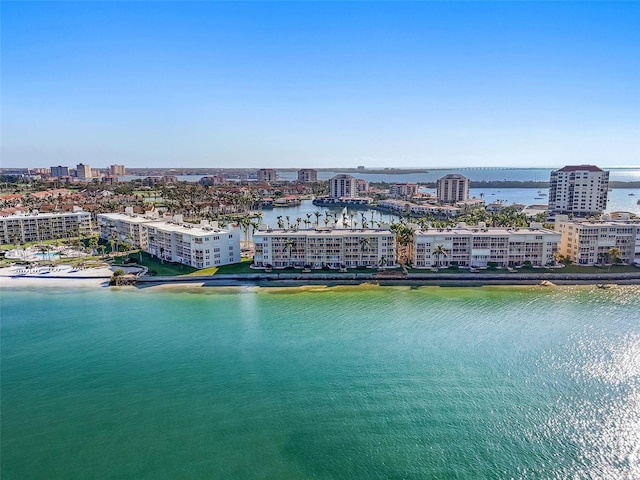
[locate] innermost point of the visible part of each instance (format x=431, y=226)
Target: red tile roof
x=575, y=168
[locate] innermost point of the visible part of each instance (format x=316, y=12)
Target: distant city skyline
x=320, y=84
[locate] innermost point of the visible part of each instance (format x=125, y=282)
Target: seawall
x=442, y=279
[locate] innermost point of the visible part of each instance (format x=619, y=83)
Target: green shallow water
x=344, y=383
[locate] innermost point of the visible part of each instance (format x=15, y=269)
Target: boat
x=541, y=193
x=603, y=285
x=632, y=194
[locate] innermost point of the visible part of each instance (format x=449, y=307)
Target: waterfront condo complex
x=197, y=245
x=35, y=226
x=588, y=242
x=328, y=247
x=579, y=190
x=479, y=246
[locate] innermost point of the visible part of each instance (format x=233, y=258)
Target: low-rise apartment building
x=324, y=247
x=197, y=245
x=479, y=246
x=125, y=227
x=403, y=190
x=588, y=242
x=419, y=210
x=35, y=226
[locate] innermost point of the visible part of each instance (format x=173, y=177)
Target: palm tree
x=383, y=262
x=317, y=214
x=288, y=247
x=439, y=252
x=614, y=254
x=557, y=257
x=113, y=241
x=93, y=243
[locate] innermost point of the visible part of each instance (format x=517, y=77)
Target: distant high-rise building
x=117, y=170
x=343, y=186
x=307, y=175
x=267, y=175
x=83, y=172
x=59, y=171
x=453, y=188
x=212, y=180
x=579, y=190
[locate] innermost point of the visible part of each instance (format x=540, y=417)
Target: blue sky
x=320, y=84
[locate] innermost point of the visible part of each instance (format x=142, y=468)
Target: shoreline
x=91, y=277
x=412, y=279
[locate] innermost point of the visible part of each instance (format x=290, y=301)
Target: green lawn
x=156, y=267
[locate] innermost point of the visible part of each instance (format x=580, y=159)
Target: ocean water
x=619, y=174
x=327, y=383
x=619, y=199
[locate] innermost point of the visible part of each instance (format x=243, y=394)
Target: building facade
x=343, y=186
x=307, y=175
x=212, y=180
x=420, y=210
x=579, y=190
x=36, y=226
x=59, y=171
x=453, y=188
x=324, y=247
x=83, y=172
x=117, y=170
x=267, y=175
x=403, y=190
x=480, y=246
x=125, y=227
x=590, y=242
x=198, y=246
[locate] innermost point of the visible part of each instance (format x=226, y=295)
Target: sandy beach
x=59, y=276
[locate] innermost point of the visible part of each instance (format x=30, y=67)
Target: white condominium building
x=589, y=242
x=403, y=190
x=420, y=210
x=126, y=227
x=343, y=186
x=579, y=190
x=267, y=175
x=477, y=246
x=199, y=246
x=453, y=188
x=324, y=247
x=36, y=226
x=193, y=245
x=306, y=175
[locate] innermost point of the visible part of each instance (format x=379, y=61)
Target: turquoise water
x=343, y=383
